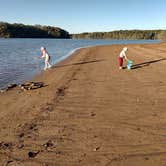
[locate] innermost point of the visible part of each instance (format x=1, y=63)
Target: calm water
x=18, y=57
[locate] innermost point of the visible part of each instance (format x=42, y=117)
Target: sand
x=90, y=113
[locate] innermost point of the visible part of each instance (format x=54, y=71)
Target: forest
x=124, y=34
x=15, y=30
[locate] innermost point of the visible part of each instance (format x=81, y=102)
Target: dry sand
x=90, y=113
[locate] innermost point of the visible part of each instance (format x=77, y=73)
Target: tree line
x=15, y=30
x=124, y=34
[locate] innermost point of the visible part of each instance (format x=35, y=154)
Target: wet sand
x=90, y=113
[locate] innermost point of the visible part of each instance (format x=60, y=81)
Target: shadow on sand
x=144, y=64
x=80, y=63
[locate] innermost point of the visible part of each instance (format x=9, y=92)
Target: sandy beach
x=90, y=113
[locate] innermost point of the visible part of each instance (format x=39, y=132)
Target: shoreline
x=23, y=74
x=58, y=61
x=89, y=112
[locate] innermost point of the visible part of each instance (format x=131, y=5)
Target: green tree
x=162, y=35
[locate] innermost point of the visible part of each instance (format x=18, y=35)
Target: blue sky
x=78, y=16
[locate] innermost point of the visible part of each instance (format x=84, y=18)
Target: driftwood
x=10, y=86
x=25, y=86
x=31, y=85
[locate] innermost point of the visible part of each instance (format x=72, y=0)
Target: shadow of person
x=144, y=64
x=79, y=63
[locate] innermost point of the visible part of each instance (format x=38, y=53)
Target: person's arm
x=43, y=56
x=125, y=56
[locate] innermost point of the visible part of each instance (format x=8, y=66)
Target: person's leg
x=49, y=65
x=45, y=68
x=120, y=62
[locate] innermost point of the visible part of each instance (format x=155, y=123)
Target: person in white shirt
x=122, y=56
x=46, y=56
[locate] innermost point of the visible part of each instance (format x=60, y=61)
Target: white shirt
x=46, y=56
x=122, y=54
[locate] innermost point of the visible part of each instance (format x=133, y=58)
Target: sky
x=77, y=16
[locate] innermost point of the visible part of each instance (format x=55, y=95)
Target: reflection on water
x=19, y=57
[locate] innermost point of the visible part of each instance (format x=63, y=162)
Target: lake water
x=18, y=57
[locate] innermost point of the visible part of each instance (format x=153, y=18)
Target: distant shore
x=89, y=112
x=18, y=30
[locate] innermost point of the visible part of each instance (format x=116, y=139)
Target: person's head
x=125, y=48
x=42, y=48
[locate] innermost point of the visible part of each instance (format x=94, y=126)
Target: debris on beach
x=8, y=162
x=3, y=90
x=61, y=91
x=6, y=145
x=31, y=85
x=32, y=154
x=25, y=86
x=92, y=114
x=10, y=86
x=96, y=149
x=49, y=144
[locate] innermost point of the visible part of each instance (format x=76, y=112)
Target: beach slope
x=90, y=113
